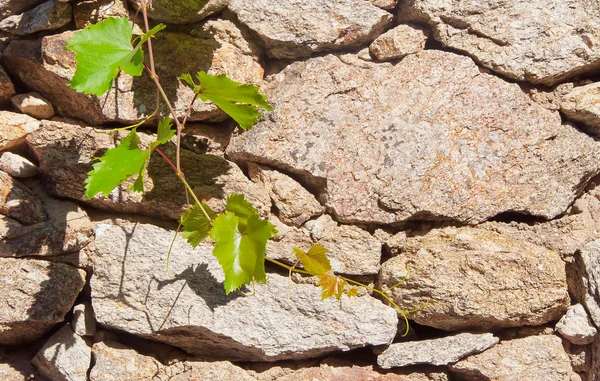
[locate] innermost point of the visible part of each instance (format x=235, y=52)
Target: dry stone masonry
x=445, y=152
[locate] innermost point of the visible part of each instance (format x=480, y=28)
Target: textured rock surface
x=7, y=88
x=352, y=251
x=65, y=168
x=399, y=42
x=38, y=295
x=191, y=310
x=84, y=322
x=93, y=11
x=14, y=128
x=18, y=202
x=585, y=279
x=580, y=356
x=49, y=15
x=12, y=7
x=205, y=371
x=576, y=326
x=183, y=12
x=17, y=166
x=442, y=351
x=385, y=4
x=536, y=41
x=65, y=356
x=531, y=358
x=582, y=104
x=216, y=46
x=428, y=138
x=115, y=362
x=292, y=29
x=469, y=278
x=295, y=205
x=67, y=229
x=34, y=105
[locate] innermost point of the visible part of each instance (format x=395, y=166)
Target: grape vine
x=102, y=51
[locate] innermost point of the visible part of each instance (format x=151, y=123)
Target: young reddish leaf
x=332, y=285
x=195, y=224
x=241, y=255
x=237, y=100
x=315, y=261
x=102, y=50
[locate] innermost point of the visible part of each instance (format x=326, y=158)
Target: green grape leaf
x=195, y=224
x=353, y=291
x=237, y=204
x=241, y=255
x=315, y=261
x=117, y=164
x=238, y=100
x=331, y=285
x=102, y=50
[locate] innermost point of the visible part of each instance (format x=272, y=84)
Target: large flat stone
x=66, y=151
x=192, y=311
x=292, y=29
x=18, y=202
x=428, y=138
x=14, y=128
x=472, y=279
x=540, y=41
x=183, y=12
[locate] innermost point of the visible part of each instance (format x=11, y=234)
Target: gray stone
x=582, y=105
x=92, y=11
x=17, y=166
x=37, y=295
x=64, y=357
x=472, y=279
x=67, y=229
x=576, y=326
x=7, y=88
x=18, y=202
x=585, y=279
x=190, y=309
x=207, y=139
x=406, y=142
x=50, y=15
x=531, y=358
x=293, y=29
x=84, y=322
x=65, y=168
x=34, y=105
x=14, y=128
x=295, y=205
x=537, y=41
x=215, y=46
x=183, y=12
x=12, y=7
x=116, y=362
x=393, y=243
x=351, y=250
x=399, y=42
x=442, y=351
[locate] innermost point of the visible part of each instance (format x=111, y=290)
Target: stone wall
x=448, y=148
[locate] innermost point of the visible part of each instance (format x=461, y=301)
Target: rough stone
x=93, y=11
x=295, y=205
x=585, y=279
x=190, y=310
x=393, y=243
x=293, y=29
x=472, y=279
x=183, y=12
x=215, y=46
x=84, y=322
x=18, y=202
x=351, y=250
x=65, y=168
x=594, y=373
x=582, y=105
x=205, y=371
x=541, y=42
x=37, y=295
x=7, y=88
x=16, y=365
x=68, y=229
x=531, y=358
x=13, y=7
x=65, y=357
x=207, y=139
x=428, y=138
x=399, y=42
x=50, y=15
x=442, y=351
x=14, y=128
x=580, y=356
x=576, y=326
x=115, y=362
x=384, y=4
x=34, y=105
x=17, y=166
